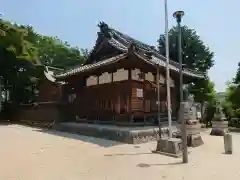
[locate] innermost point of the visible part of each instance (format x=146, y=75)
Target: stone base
x=130, y=135
x=219, y=128
x=194, y=140
x=218, y=132
x=169, y=146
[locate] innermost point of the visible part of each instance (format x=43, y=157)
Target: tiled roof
x=91, y=66
x=186, y=71
x=153, y=60
x=122, y=42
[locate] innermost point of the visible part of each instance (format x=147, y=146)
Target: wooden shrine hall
x=118, y=82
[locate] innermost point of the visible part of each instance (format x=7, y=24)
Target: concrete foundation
x=169, y=146
x=130, y=135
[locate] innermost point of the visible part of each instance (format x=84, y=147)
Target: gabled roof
x=92, y=66
x=124, y=43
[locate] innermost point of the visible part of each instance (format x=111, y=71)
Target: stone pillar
x=228, y=143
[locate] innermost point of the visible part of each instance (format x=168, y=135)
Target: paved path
x=32, y=154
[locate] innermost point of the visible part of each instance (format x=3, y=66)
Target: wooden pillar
x=144, y=95
x=112, y=77
x=130, y=96
x=118, y=104
x=98, y=109
x=112, y=101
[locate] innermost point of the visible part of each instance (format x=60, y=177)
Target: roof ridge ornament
x=104, y=29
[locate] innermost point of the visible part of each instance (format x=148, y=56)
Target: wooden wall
x=115, y=96
x=48, y=91
x=45, y=112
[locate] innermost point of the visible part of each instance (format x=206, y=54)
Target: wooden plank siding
x=114, y=99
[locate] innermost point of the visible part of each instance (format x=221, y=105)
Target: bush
x=209, y=113
x=236, y=113
x=227, y=110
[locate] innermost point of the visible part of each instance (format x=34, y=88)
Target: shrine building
x=118, y=82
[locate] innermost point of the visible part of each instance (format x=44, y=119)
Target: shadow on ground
x=101, y=142
x=5, y=123
x=127, y=154
x=144, y=165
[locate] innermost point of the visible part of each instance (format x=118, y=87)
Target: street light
x=178, y=16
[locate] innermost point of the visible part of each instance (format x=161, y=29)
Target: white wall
x=120, y=75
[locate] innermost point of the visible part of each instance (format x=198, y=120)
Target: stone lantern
x=219, y=125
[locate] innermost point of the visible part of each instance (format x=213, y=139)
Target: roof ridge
x=142, y=45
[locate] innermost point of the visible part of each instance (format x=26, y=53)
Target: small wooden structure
x=118, y=83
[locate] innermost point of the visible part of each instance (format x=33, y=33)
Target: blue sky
x=76, y=22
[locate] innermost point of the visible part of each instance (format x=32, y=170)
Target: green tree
x=196, y=55
x=21, y=48
x=85, y=53
x=16, y=54
x=231, y=104
x=236, y=80
x=233, y=97
x=203, y=90
x=54, y=52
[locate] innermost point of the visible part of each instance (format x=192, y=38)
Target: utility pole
x=169, y=109
x=178, y=15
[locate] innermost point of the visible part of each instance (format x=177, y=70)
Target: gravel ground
x=33, y=154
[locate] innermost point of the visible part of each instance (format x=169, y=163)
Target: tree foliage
x=231, y=105
x=203, y=90
x=236, y=79
x=54, y=52
x=21, y=49
x=195, y=55
x=17, y=55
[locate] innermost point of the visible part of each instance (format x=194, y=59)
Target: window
x=140, y=93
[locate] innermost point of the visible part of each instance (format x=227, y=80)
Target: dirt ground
x=33, y=154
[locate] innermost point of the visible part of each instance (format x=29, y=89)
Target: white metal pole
x=169, y=110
